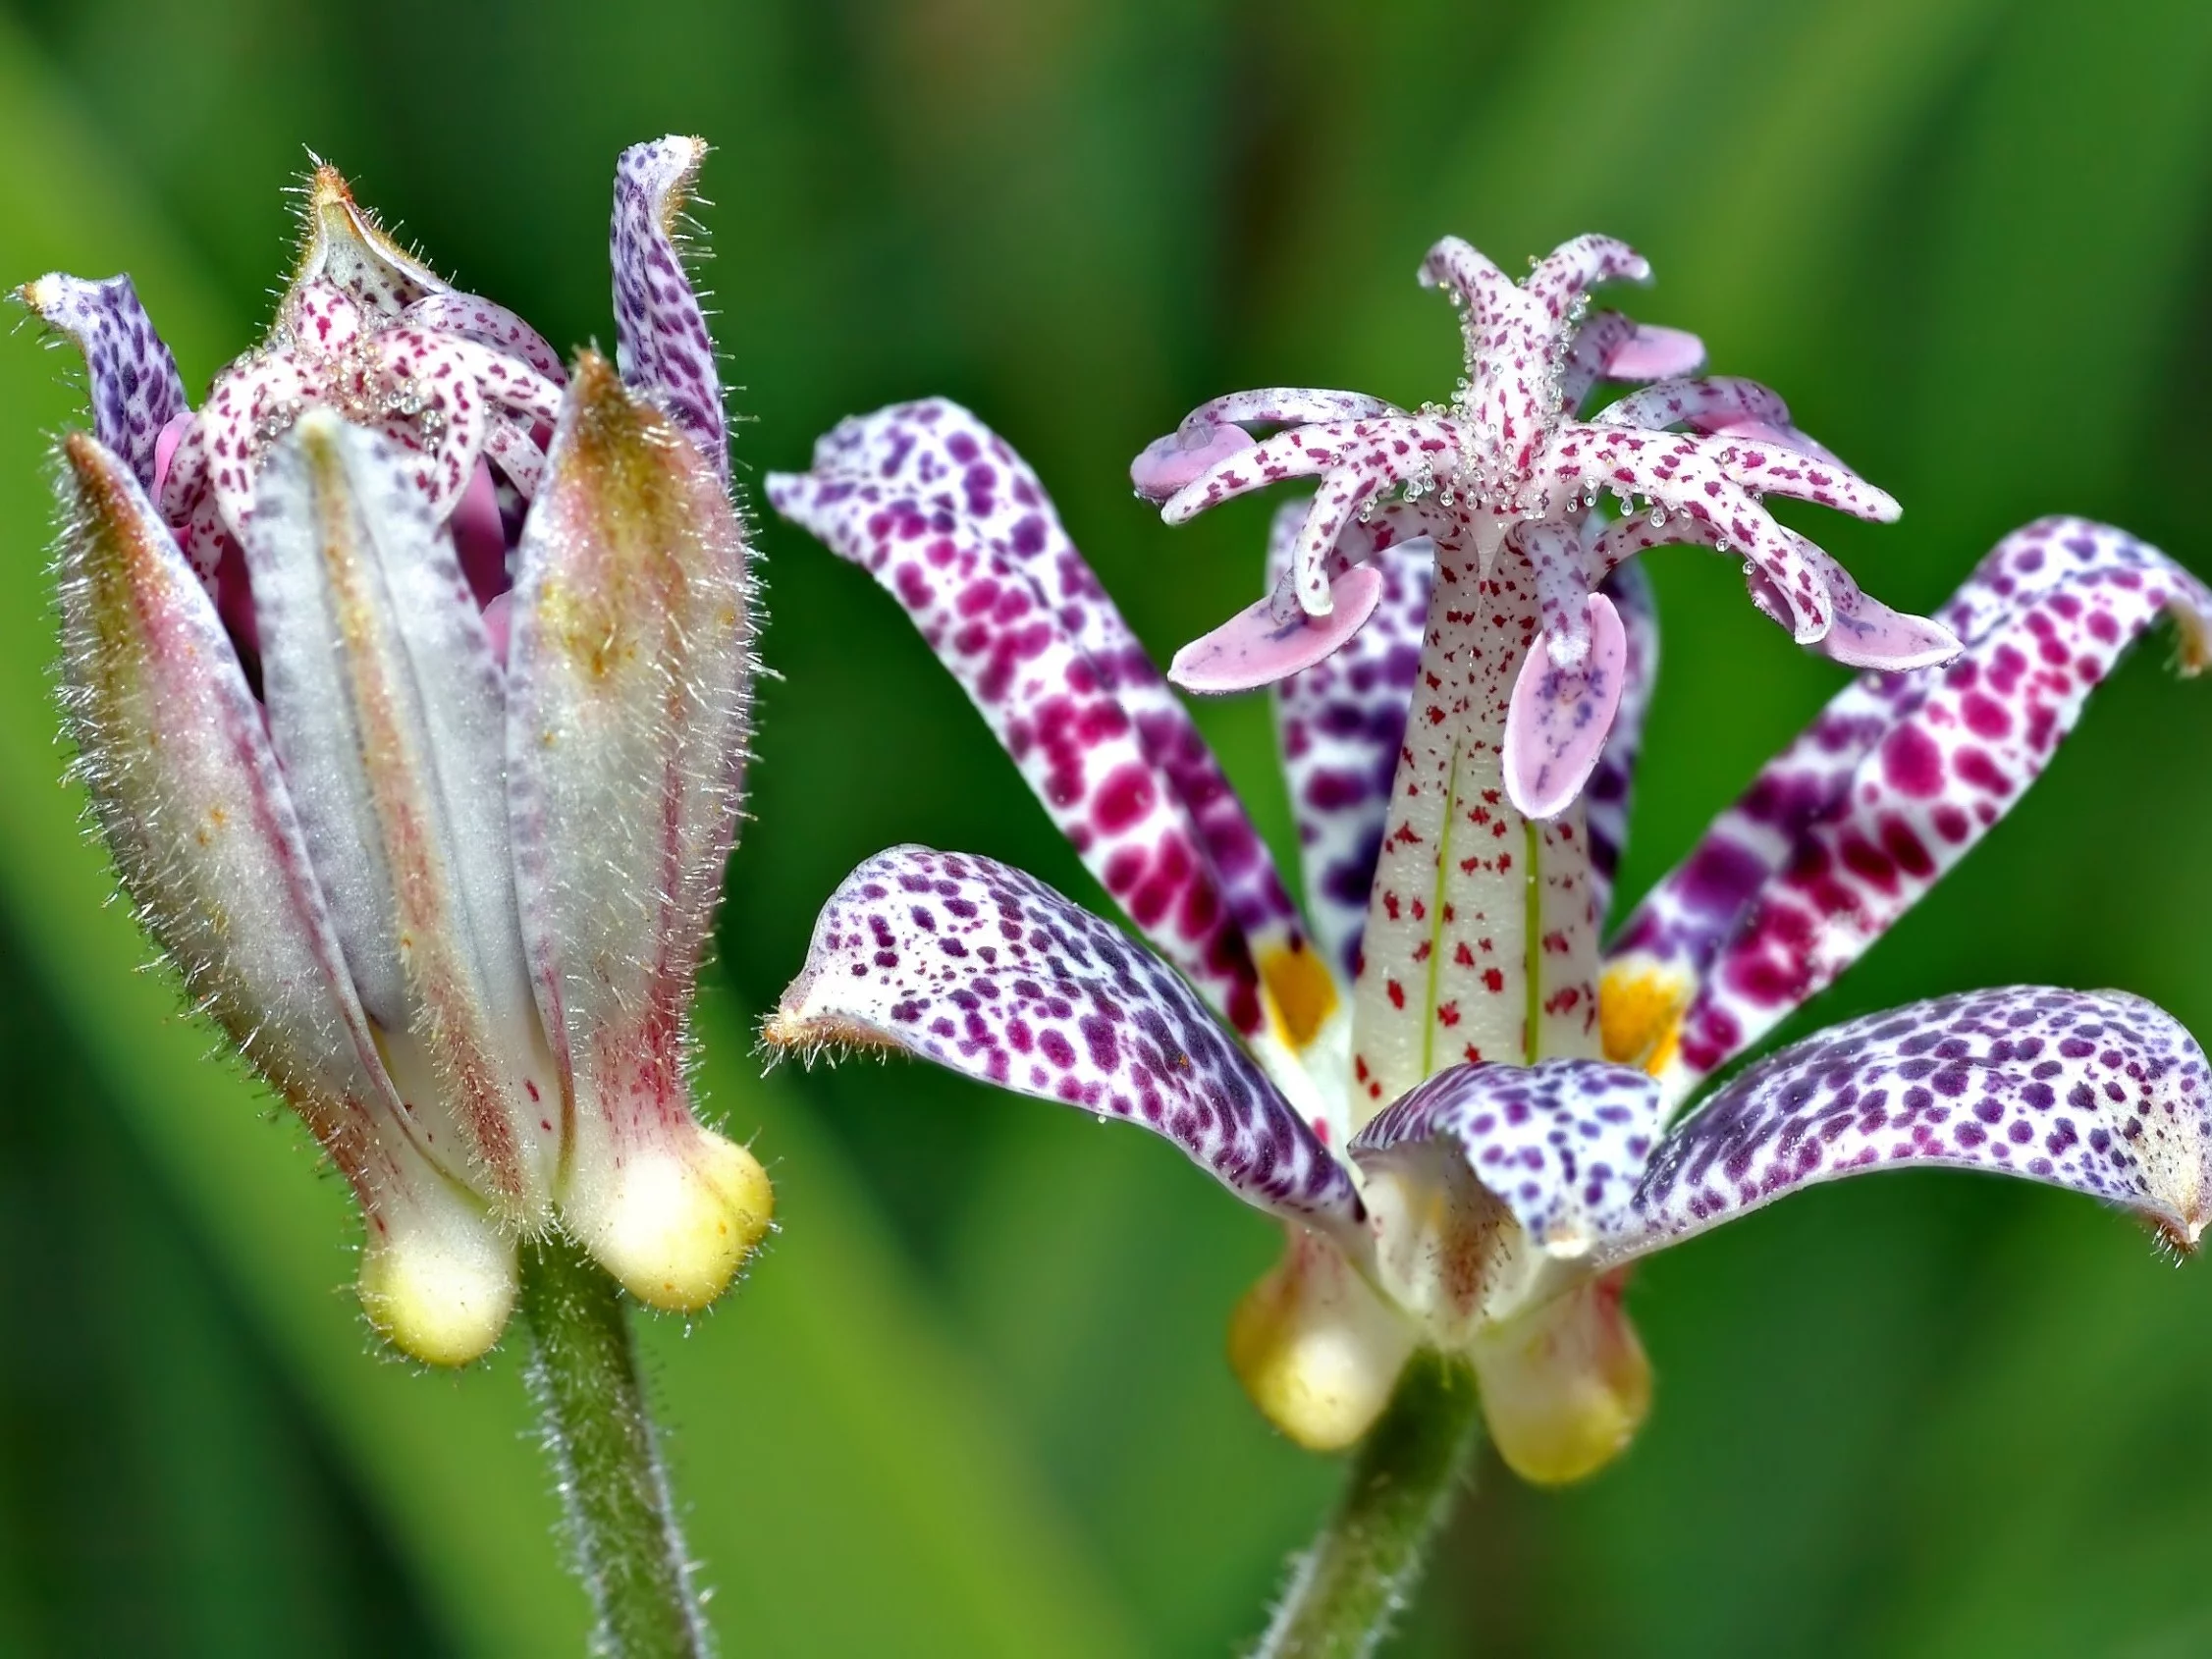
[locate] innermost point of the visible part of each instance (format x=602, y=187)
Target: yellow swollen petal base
x=674, y=1223
x=1318, y=1351
x=439, y=1294
x=1566, y=1387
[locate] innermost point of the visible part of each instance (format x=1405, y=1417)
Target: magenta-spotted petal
x=989, y=972
x=2097, y=1092
x=1341, y=722
x=135, y=390
x=488, y=324
x=1559, y=717
x=1561, y=1143
x=1260, y=645
x=1896, y=780
x=1607, y=796
x=955, y=525
x=1166, y=464
x=661, y=334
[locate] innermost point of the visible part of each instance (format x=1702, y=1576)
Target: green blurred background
x=972, y=1400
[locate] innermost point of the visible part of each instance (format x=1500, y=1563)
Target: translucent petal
x=628, y=698
x=388, y=713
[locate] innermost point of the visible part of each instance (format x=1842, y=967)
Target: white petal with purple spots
x=1561, y=1143
x=991, y=973
x=2098, y=1091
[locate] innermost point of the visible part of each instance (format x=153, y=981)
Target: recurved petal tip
x=1165, y=464
x=676, y=1220
x=1256, y=647
x=1556, y=726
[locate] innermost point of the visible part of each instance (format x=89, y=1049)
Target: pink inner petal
x=480, y=537
x=1655, y=353
x=1557, y=724
x=165, y=448
x=1256, y=648
x=1165, y=464
x=499, y=624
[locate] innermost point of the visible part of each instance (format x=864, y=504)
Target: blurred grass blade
x=850, y=1490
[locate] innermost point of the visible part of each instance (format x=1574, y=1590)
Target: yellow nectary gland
x=441, y=1295
x=1566, y=1387
x=1318, y=1351
x=674, y=1220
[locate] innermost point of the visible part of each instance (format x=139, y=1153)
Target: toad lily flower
x=409, y=677
x=1469, y=1121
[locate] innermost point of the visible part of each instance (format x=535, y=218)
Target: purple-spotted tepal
x=409, y=677
x=1470, y=1118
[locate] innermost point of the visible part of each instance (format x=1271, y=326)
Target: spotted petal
x=955, y=525
x=1341, y=722
x=629, y=677
x=660, y=328
x=992, y=974
x=1896, y=780
x=1605, y=800
x=2097, y=1092
x=1561, y=1143
x=188, y=794
x=135, y=386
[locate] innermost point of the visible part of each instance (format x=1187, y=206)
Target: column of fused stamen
x=1443, y=977
x=1341, y=722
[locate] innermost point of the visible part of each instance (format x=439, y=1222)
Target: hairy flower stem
x=1360, y=1571
x=599, y=1432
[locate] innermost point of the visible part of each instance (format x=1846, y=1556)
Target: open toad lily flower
x=409, y=677
x=1473, y=1156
